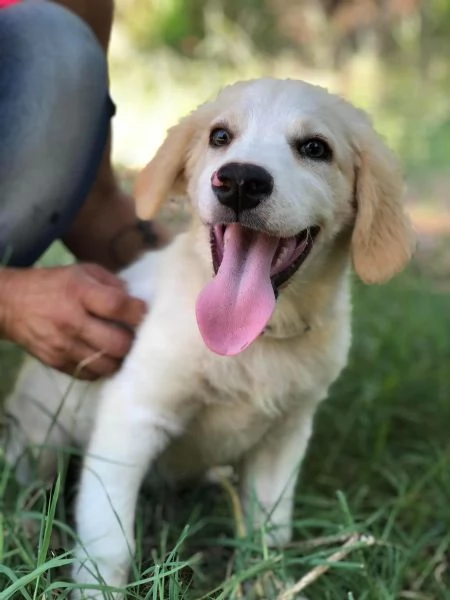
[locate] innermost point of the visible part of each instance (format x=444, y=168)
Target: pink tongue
x=234, y=308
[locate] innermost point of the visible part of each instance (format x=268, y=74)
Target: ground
x=377, y=469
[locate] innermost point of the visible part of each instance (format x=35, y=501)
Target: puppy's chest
x=264, y=377
x=238, y=400
x=219, y=434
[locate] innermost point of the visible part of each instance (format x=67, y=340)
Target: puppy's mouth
x=250, y=267
x=289, y=255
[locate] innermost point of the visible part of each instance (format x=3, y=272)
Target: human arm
x=105, y=230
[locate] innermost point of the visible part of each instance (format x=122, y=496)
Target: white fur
x=173, y=401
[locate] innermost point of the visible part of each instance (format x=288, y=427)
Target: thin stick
x=318, y=571
x=318, y=542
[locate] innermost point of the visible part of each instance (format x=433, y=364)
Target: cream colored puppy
x=250, y=312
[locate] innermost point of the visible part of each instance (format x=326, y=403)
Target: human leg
x=54, y=124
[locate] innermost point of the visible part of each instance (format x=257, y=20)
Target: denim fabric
x=54, y=122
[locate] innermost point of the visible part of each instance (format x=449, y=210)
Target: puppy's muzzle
x=241, y=186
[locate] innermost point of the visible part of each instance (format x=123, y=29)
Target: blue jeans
x=55, y=113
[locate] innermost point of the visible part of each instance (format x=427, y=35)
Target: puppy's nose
x=241, y=186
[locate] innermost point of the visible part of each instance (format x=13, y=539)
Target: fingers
x=89, y=364
x=114, y=341
x=63, y=317
x=79, y=360
x=113, y=304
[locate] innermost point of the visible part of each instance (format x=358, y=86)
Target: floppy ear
x=165, y=173
x=383, y=239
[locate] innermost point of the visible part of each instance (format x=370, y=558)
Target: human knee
x=48, y=52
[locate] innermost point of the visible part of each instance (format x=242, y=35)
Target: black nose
x=241, y=186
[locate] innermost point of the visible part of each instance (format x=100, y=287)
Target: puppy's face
x=276, y=170
x=274, y=158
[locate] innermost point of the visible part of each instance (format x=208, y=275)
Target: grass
x=377, y=465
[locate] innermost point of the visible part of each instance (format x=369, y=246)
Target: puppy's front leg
x=268, y=473
x=138, y=415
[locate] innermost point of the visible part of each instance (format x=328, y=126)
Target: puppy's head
x=277, y=171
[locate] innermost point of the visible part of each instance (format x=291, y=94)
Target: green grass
x=378, y=464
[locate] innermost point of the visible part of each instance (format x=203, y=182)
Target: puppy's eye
x=220, y=137
x=314, y=148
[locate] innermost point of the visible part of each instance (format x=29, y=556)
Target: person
x=57, y=182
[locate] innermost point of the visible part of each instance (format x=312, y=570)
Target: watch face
x=148, y=232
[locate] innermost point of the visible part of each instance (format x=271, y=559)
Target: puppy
x=249, y=320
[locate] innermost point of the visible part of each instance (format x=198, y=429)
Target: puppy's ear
x=165, y=172
x=383, y=240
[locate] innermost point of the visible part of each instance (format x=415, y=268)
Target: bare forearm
x=6, y=276
x=105, y=230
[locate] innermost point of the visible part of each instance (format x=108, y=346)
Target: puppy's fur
x=176, y=403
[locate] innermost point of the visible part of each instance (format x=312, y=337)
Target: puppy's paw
x=111, y=575
x=86, y=594
x=277, y=536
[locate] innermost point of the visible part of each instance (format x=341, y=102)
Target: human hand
x=66, y=317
